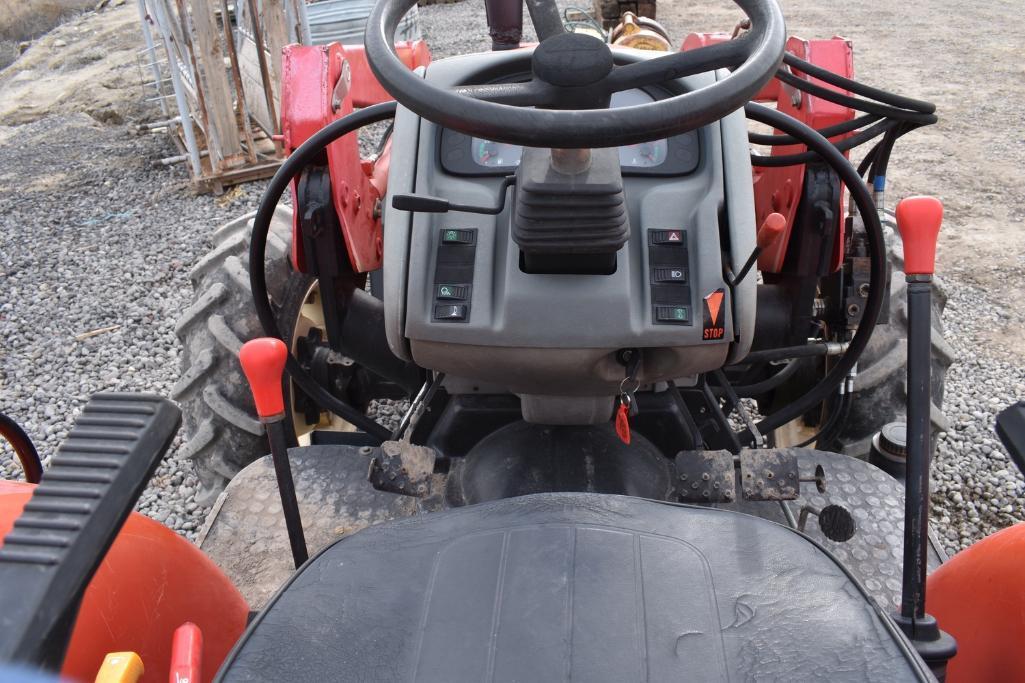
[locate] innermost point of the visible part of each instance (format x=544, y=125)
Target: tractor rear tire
x=223, y=433
x=880, y=388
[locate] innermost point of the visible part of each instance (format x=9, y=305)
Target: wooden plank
x=252, y=82
x=275, y=37
x=225, y=146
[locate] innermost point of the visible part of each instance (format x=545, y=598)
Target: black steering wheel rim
x=501, y=113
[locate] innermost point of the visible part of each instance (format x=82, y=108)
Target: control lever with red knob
x=263, y=362
x=774, y=225
x=918, y=220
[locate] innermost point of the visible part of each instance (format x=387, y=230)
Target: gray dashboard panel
x=515, y=316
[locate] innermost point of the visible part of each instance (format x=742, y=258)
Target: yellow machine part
x=640, y=33
x=120, y=667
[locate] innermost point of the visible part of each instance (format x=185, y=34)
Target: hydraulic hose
x=886, y=97
x=844, y=145
x=828, y=132
x=854, y=102
x=307, y=153
x=23, y=448
x=874, y=230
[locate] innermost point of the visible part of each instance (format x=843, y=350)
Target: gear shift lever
x=918, y=219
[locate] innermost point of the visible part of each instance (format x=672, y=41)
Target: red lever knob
x=186, y=654
x=263, y=361
x=771, y=229
x=918, y=220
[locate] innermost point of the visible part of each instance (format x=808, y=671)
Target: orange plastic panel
x=979, y=598
x=150, y=583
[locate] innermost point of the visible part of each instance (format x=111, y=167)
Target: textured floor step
x=62, y=535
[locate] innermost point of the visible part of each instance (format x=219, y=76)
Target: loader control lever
x=263, y=362
x=918, y=220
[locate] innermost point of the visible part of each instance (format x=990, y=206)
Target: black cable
x=306, y=154
x=882, y=160
x=827, y=132
x=835, y=420
x=874, y=230
x=921, y=106
x=769, y=383
x=23, y=447
x=854, y=102
x=885, y=126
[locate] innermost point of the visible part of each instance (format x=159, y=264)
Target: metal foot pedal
x=66, y=528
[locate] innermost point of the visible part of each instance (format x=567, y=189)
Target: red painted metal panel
x=322, y=84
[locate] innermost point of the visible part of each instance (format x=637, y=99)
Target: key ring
x=622, y=386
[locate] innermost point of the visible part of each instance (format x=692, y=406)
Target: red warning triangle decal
x=714, y=302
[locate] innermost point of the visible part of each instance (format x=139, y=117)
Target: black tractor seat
x=577, y=586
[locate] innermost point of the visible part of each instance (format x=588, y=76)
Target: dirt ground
x=90, y=64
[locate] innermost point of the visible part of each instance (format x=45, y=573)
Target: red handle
x=263, y=361
x=918, y=220
x=771, y=229
x=186, y=654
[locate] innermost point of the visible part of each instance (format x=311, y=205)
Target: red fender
x=150, y=583
x=979, y=598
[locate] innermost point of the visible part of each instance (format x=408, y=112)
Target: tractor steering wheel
x=574, y=75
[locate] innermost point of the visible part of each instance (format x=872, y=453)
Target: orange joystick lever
x=918, y=220
x=263, y=362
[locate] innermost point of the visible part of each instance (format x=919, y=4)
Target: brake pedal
x=66, y=528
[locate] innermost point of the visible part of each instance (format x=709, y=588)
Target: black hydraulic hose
x=874, y=230
x=769, y=383
x=833, y=422
x=827, y=132
x=854, y=102
x=844, y=145
x=866, y=163
x=882, y=160
x=790, y=352
x=306, y=154
x=921, y=106
x=23, y=448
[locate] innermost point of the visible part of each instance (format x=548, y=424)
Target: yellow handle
x=120, y=667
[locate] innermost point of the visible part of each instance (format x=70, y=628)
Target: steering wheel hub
x=572, y=60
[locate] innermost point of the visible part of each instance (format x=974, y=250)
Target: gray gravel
x=92, y=236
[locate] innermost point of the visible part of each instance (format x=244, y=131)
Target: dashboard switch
x=672, y=314
x=677, y=237
x=450, y=312
x=671, y=274
x=456, y=236
x=452, y=292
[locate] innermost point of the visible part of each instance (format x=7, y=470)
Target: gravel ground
x=93, y=236
x=112, y=239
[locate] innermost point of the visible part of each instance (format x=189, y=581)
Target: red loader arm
x=319, y=85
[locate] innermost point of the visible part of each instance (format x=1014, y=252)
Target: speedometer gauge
x=644, y=154
x=487, y=153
